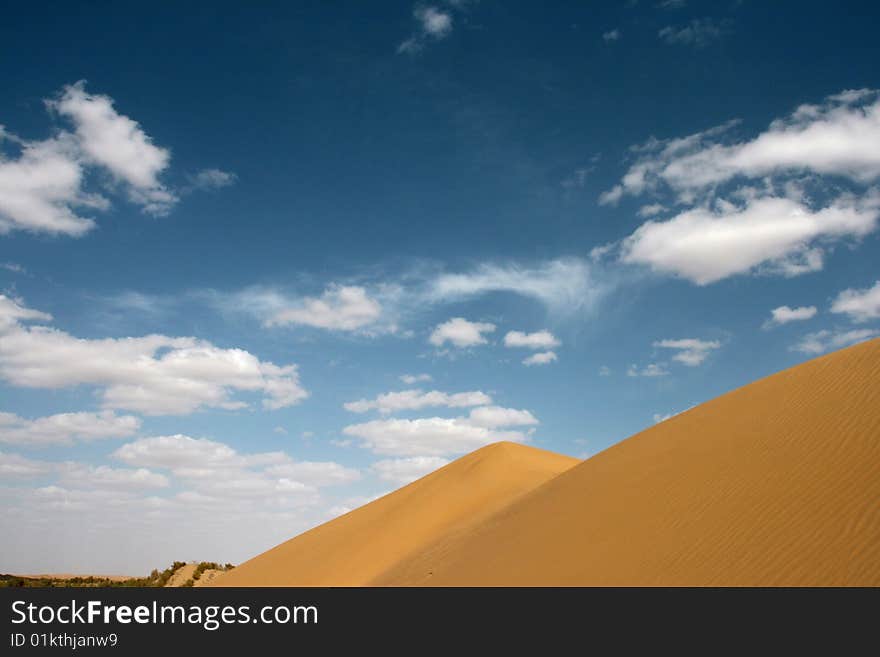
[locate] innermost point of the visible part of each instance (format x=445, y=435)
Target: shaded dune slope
x=354, y=549
x=776, y=483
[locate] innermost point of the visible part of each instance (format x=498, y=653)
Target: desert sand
x=181, y=575
x=357, y=547
x=774, y=484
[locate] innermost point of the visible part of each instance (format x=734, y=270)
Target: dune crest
x=355, y=548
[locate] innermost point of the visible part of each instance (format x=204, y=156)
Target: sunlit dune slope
x=776, y=483
x=355, y=548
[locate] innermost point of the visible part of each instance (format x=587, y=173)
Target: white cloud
x=435, y=436
x=662, y=417
x=432, y=23
x=408, y=400
x=154, y=374
x=706, y=245
x=14, y=465
x=541, y=358
x=406, y=470
x=822, y=341
x=563, y=285
x=179, y=452
x=117, y=143
x=649, y=370
x=537, y=340
x=785, y=314
x=40, y=189
x=315, y=473
x=699, y=32
x=44, y=186
x=340, y=308
x=841, y=136
x=604, y=371
x=208, y=466
x=410, y=379
x=691, y=352
x=671, y=4
x=611, y=36
x=498, y=416
x=65, y=428
x=460, y=332
x=208, y=179
x=859, y=305
x=79, y=475
x=13, y=311
x=651, y=210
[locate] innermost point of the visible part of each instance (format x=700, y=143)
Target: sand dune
x=355, y=548
x=776, y=483
x=181, y=575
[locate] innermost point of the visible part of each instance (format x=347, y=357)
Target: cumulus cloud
x=840, y=136
x=498, y=416
x=541, y=358
x=208, y=465
x=706, y=244
x=80, y=475
x=153, y=374
x=406, y=470
x=759, y=205
x=340, y=308
x=118, y=144
x=538, y=340
x=41, y=189
x=858, y=305
x=315, y=473
x=460, y=332
x=65, y=428
x=410, y=379
x=409, y=400
x=699, y=33
x=436, y=436
x=822, y=341
x=785, y=314
x=48, y=186
x=17, y=466
x=689, y=351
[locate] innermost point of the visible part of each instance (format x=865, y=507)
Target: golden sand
x=774, y=484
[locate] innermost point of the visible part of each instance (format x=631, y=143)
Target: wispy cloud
x=699, y=32
x=827, y=340
x=689, y=351
x=433, y=23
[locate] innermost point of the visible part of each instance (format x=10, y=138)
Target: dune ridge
x=775, y=483
x=355, y=548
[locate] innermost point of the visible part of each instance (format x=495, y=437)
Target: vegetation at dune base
x=154, y=579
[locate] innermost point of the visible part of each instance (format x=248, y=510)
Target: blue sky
x=259, y=265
